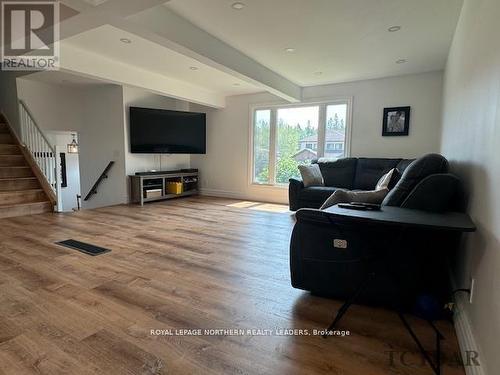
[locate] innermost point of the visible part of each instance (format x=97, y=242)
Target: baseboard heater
x=83, y=247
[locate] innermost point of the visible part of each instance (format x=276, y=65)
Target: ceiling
x=147, y=55
x=202, y=51
x=334, y=40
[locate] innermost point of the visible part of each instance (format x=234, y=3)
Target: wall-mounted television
x=158, y=131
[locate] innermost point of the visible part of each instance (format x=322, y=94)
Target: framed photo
x=396, y=121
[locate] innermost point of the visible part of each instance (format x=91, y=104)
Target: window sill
x=270, y=186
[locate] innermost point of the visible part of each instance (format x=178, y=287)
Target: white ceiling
x=243, y=51
x=147, y=55
x=345, y=40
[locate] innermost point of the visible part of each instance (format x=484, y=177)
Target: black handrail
x=103, y=175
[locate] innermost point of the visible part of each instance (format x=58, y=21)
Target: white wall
x=102, y=140
x=95, y=112
x=55, y=107
x=224, y=170
x=471, y=141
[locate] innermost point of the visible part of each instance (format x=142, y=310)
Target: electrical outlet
x=471, y=294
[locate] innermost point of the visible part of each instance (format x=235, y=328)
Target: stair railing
x=103, y=175
x=41, y=150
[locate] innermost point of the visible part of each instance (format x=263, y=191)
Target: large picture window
x=285, y=137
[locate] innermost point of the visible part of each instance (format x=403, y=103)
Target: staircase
x=20, y=190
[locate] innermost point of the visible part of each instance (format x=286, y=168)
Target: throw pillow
x=348, y=196
x=385, y=180
x=311, y=175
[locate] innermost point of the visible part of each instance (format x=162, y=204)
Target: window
x=295, y=126
x=261, y=137
x=335, y=134
x=286, y=137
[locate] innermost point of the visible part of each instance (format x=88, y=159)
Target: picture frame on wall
x=396, y=121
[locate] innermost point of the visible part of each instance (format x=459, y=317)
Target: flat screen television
x=157, y=131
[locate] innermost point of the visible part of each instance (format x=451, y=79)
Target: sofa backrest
x=358, y=173
x=338, y=173
x=418, y=170
x=369, y=171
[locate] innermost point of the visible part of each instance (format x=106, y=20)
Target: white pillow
x=348, y=196
x=311, y=175
x=383, y=182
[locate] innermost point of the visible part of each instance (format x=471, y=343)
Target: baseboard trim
x=465, y=336
x=222, y=193
x=238, y=195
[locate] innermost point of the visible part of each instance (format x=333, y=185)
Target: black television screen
x=157, y=131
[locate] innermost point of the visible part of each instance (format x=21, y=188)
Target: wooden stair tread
x=17, y=166
x=22, y=191
x=10, y=149
x=23, y=209
x=17, y=178
x=4, y=206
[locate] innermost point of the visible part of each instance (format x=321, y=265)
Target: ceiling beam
x=167, y=28
x=95, y=66
x=151, y=20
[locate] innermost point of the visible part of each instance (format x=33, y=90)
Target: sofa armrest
x=438, y=192
x=293, y=193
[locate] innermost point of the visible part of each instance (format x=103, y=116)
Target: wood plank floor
x=184, y=264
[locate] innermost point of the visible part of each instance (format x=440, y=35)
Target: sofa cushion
x=369, y=171
x=413, y=174
x=316, y=194
x=339, y=173
x=311, y=175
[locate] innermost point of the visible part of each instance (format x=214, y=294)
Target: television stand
x=154, y=186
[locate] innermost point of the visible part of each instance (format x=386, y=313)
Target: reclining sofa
x=317, y=266
x=348, y=173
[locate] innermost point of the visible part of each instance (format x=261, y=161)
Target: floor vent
x=86, y=248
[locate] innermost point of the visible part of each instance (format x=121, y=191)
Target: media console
x=155, y=186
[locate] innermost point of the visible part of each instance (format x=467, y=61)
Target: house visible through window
x=285, y=137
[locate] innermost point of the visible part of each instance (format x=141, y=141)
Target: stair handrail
x=25, y=107
x=103, y=175
x=43, y=153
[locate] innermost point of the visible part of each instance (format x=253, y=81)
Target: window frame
x=321, y=143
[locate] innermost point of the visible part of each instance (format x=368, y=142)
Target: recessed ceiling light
x=238, y=6
x=290, y=50
x=393, y=29
x=193, y=67
x=125, y=40
x=401, y=61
